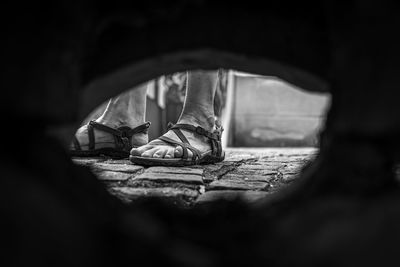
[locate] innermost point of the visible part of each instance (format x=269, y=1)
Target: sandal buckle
x=201, y=131
x=218, y=132
x=125, y=142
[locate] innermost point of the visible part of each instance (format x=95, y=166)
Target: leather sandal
x=122, y=139
x=208, y=157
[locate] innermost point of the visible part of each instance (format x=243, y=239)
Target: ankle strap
x=216, y=135
x=123, y=131
x=122, y=135
x=129, y=132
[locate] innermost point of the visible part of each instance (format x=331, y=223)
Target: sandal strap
x=197, y=129
x=139, y=129
x=185, y=147
x=181, y=136
x=91, y=135
x=214, y=137
x=122, y=135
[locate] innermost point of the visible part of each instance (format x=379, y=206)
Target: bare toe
x=170, y=153
x=140, y=150
x=178, y=152
x=135, y=152
x=190, y=154
x=149, y=153
x=160, y=153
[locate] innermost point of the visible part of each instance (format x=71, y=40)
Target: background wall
x=270, y=112
x=266, y=111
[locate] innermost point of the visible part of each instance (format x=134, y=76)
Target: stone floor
x=249, y=173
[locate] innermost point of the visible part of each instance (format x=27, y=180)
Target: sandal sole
x=144, y=161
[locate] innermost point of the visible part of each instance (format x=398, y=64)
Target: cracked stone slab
x=260, y=166
x=214, y=171
x=248, y=196
x=129, y=193
x=220, y=167
x=217, y=166
x=290, y=171
x=175, y=170
x=237, y=184
x=289, y=177
x=119, y=161
x=291, y=168
x=113, y=176
x=170, y=177
x=233, y=157
x=248, y=177
x=86, y=161
x=298, y=159
x=244, y=170
x=129, y=168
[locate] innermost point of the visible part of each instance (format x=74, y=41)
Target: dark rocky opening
x=343, y=212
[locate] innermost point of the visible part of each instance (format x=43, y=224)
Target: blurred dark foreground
x=343, y=212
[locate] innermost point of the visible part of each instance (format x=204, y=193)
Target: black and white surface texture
x=62, y=59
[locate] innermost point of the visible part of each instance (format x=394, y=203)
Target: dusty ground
x=246, y=172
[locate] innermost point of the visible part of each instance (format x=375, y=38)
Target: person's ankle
x=119, y=121
x=206, y=122
x=140, y=139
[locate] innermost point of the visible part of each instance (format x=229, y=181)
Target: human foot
x=120, y=127
x=186, y=143
x=195, y=138
x=96, y=138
